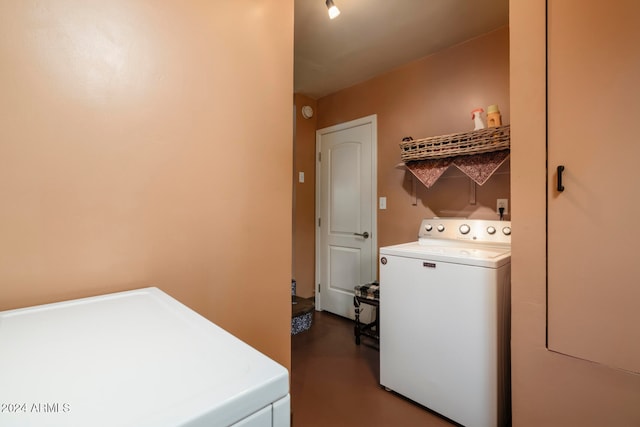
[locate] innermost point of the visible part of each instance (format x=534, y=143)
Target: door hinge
x=319, y=157
x=319, y=288
x=319, y=222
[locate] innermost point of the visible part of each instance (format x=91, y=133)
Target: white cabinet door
x=593, y=111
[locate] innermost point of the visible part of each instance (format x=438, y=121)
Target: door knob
x=365, y=234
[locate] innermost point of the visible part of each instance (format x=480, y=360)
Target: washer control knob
x=506, y=231
x=491, y=229
x=440, y=228
x=464, y=229
x=428, y=227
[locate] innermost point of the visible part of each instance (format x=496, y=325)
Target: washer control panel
x=474, y=230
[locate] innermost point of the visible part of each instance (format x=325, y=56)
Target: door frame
x=373, y=119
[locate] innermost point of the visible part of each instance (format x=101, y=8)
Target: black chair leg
x=356, y=329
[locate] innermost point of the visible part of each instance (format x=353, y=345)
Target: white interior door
x=346, y=252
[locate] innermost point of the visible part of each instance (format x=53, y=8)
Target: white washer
x=444, y=319
x=136, y=358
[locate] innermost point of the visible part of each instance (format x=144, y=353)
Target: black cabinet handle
x=560, y=186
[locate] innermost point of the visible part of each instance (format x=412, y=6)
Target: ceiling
x=371, y=37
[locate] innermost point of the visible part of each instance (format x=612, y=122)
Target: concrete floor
x=335, y=383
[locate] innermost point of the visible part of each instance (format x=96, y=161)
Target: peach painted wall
x=429, y=97
x=304, y=198
x=549, y=389
x=139, y=147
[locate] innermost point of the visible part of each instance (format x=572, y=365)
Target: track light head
x=333, y=9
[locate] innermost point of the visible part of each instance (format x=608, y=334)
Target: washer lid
x=137, y=358
x=474, y=255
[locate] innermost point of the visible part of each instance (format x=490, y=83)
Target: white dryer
x=444, y=319
x=133, y=359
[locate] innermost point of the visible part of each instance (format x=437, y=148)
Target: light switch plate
x=383, y=203
x=300, y=176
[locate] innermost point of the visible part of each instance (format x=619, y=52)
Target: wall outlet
x=502, y=203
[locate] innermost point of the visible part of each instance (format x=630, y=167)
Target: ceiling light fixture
x=333, y=9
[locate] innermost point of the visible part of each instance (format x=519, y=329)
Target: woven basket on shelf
x=457, y=144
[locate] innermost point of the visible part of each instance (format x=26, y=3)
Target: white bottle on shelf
x=476, y=115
